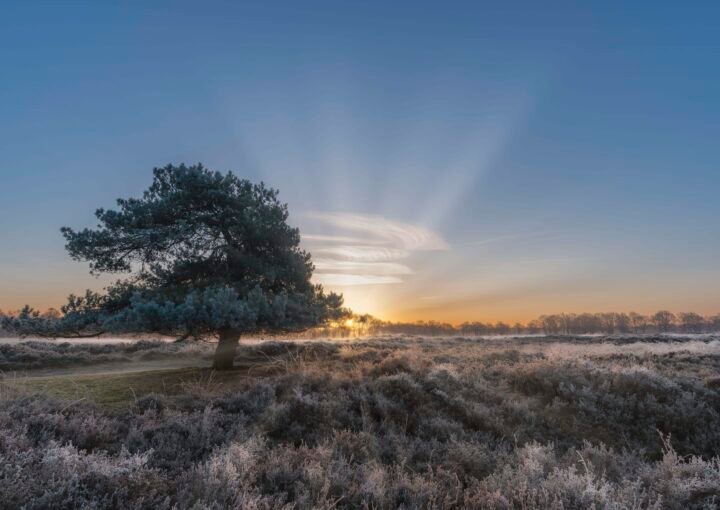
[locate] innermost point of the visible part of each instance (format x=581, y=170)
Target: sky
x=444, y=160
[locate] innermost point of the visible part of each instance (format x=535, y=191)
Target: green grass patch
x=116, y=391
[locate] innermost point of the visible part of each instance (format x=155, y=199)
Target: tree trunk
x=225, y=351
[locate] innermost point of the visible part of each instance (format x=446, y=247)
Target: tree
x=474, y=328
x=550, y=324
x=566, y=323
x=534, y=327
x=663, y=320
x=692, y=322
x=502, y=329
x=714, y=323
x=622, y=322
x=207, y=253
x=639, y=322
x=608, y=322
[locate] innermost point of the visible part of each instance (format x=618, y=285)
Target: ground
x=398, y=422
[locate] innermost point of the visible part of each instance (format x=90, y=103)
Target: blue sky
x=446, y=160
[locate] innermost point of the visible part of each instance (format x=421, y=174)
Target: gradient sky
x=444, y=160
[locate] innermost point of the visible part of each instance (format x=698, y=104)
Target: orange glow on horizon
x=442, y=304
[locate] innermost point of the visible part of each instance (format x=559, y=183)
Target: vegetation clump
x=385, y=423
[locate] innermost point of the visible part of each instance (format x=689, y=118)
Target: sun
x=349, y=323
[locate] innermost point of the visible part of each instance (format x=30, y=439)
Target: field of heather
x=390, y=422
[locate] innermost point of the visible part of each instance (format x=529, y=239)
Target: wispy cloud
x=364, y=253
x=384, y=268
x=375, y=228
x=339, y=239
x=365, y=249
x=341, y=280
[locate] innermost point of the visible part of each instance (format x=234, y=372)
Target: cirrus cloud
x=378, y=229
x=365, y=249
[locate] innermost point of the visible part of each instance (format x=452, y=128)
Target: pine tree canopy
x=203, y=252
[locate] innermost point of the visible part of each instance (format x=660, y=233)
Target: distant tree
x=691, y=322
x=550, y=324
x=663, y=320
x=534, y=327
x=622, y=323
x=589, y=323
x=435, y=328
x=610, y=322
x=713, y=323
x=638, y=322
x=574, y=324
x=475, y=328
x=51, y=313
x=208, y=254
x=501, y=328
x=363, y=323
x=566, y=322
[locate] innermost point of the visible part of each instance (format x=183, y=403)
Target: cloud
x=381, y=268
x=341, y=280
x=339, y=239
x=364, y=253
x=365, y=249
x=379, y=229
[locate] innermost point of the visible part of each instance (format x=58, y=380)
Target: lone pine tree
x=207, y=254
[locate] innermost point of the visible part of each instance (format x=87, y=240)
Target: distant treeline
x=558, y=324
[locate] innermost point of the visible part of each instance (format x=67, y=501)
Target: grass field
x=583, y=422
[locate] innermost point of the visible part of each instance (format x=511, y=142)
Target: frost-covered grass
x=35, y=354
x=378, y=423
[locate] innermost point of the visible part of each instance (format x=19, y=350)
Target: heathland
x=390, y=422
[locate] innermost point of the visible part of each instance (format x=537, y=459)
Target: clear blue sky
x=447, y=160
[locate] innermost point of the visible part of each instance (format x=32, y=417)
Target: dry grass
x=377, y=423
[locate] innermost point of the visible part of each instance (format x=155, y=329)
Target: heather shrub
x=311, y=350
x=180, y=439
x=397, y=423
x=42, y=420
x=150, y=403
x=624, y=405
x=65, y=477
